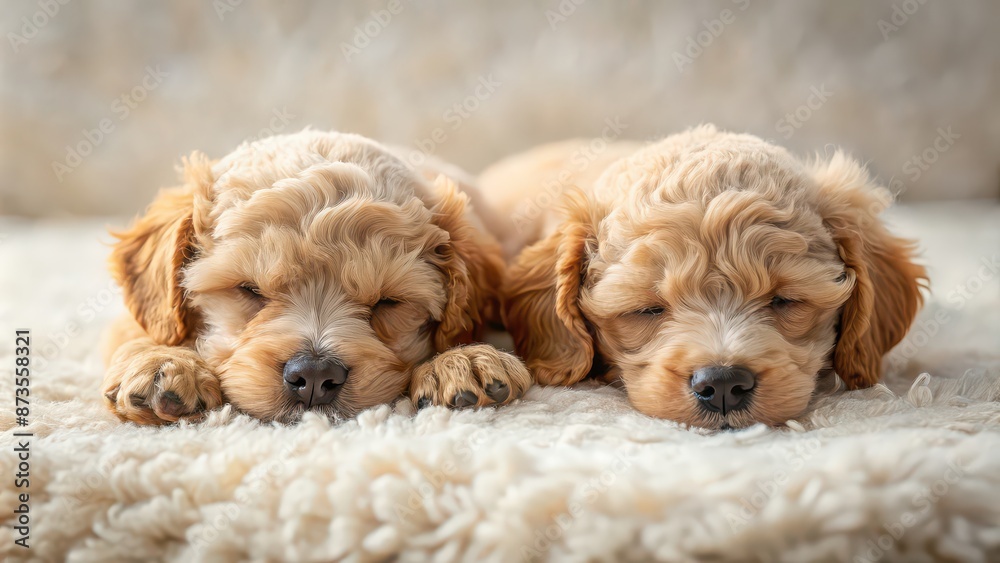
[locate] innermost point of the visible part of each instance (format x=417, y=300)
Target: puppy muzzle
x=314, y=380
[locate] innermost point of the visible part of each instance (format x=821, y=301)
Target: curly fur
x=670, y=259
x=351, y=253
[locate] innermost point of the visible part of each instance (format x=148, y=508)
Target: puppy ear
x=473, y=263
x=542, y=296
x=147, y=259
x=887, y=283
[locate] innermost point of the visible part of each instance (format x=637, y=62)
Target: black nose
x=314, y=380
x=723, y=388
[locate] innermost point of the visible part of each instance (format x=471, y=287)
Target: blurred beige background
x=99, y=99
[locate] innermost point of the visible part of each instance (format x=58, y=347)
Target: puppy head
x=314, y=284
x=718, y=284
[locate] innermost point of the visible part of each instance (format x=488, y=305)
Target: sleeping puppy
x=716, y=275
x=309, y=271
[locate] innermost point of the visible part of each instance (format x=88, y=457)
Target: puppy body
x=530, y=189
x=310, y=252
x=705, y=253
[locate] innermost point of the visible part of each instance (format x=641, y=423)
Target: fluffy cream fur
x=319, y=243
x=704, y=249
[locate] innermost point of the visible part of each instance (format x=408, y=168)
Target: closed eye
x=778, y=302
x=651, y=311
x=251, y=290
x=386, y=302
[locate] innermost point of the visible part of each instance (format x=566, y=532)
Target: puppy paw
x=469, y=376
x=160, y=385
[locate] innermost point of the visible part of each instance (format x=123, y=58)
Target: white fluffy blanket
x=908, y=471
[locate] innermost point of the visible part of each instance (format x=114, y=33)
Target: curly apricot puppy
x=715, y=274
x=306, y=271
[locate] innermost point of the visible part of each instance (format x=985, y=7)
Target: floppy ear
x=147, y=259
x=472, y=260
x=542, y=300
x=886, y=295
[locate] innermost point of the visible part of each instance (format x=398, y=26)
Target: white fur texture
x=565, y=474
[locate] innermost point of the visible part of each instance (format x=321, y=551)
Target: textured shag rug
x=906, y=471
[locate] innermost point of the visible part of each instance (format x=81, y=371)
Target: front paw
x=470, y=376
x=160, y=386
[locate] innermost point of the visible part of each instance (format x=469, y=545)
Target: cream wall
x=205, y=75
